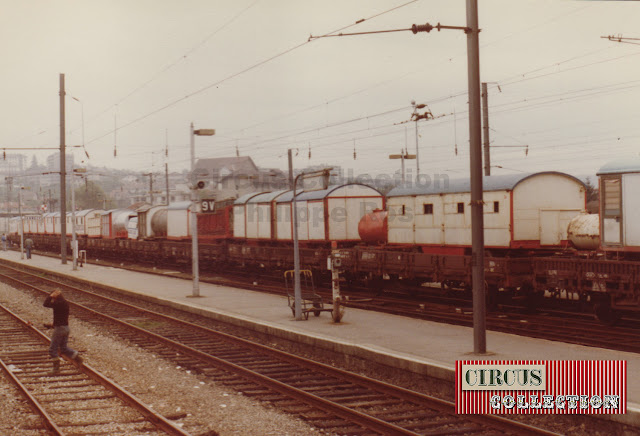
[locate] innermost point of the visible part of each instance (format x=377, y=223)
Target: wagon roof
x=180, y=205
x=503, y=182
x=246, y=197
x=266, y=197
x=83, y=212
x=320, y=194
x=148, y=209
x=144, y=208
x=620, y=166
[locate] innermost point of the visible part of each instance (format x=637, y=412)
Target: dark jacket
x=60, y=310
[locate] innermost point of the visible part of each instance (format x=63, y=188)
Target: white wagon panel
x=283, y=222
x=401, y=220
x=316, y=223
x=429, y=219
x=497, y=219
x=457, y=219
x=631, y=209
x=178, y=216
x=532, y=196
x=239, y=230
x=264, y=220
x=251, y=220
x=337, y=218
x=93, y=223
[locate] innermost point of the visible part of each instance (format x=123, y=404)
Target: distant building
x=53, y=167
x=232, y=177
x=12, y=164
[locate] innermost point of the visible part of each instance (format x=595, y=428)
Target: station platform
x=422, y=347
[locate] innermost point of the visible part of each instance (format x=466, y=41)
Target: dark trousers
x=28, y=249
x=59, y=342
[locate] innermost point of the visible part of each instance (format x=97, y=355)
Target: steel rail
x=329, y=406
x=159, y=421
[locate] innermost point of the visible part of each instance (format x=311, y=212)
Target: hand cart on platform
x=310, y=301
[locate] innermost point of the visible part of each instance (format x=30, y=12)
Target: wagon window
x=460, y=207
x=612, y=196
x=496, y=206
x=427, y=208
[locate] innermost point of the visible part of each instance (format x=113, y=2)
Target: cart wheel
x=317, y=306
x=293, y=310
x=306, y=315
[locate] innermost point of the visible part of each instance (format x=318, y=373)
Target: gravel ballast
x=193, y=402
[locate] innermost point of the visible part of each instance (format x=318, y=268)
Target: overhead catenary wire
x=243, y=71
x=256, y=144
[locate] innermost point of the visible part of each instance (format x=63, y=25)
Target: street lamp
x=195, y=184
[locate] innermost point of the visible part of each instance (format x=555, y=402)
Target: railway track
x=562, y=326
x=76, y=401
x=330, y=399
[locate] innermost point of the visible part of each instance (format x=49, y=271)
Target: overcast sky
x=145, y=69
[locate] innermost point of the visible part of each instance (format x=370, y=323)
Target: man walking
x=28, y=245
x=4, y=242
x=60, y=307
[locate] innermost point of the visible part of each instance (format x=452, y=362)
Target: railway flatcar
x=324, y=215
x=528, y=218
x=521, y=212
x=330, y=214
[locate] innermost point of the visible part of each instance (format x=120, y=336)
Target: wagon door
x=611, y=211
x=630, y=210
x=553, y=225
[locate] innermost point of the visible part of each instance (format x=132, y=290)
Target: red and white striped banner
x=541, y=386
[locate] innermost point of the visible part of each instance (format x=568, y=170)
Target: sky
x=138, y=72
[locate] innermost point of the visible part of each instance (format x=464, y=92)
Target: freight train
x=535, y=234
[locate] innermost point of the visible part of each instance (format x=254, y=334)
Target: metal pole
x=21, y=223
x=296, y=254
x=402, y=160
x=477, y=224
x=290, y=169
x=74, y=239
x=166, y=163
x=417, y=153
x=485, y=129
x=166, y=179
x=63, y=176
x=192, y=220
